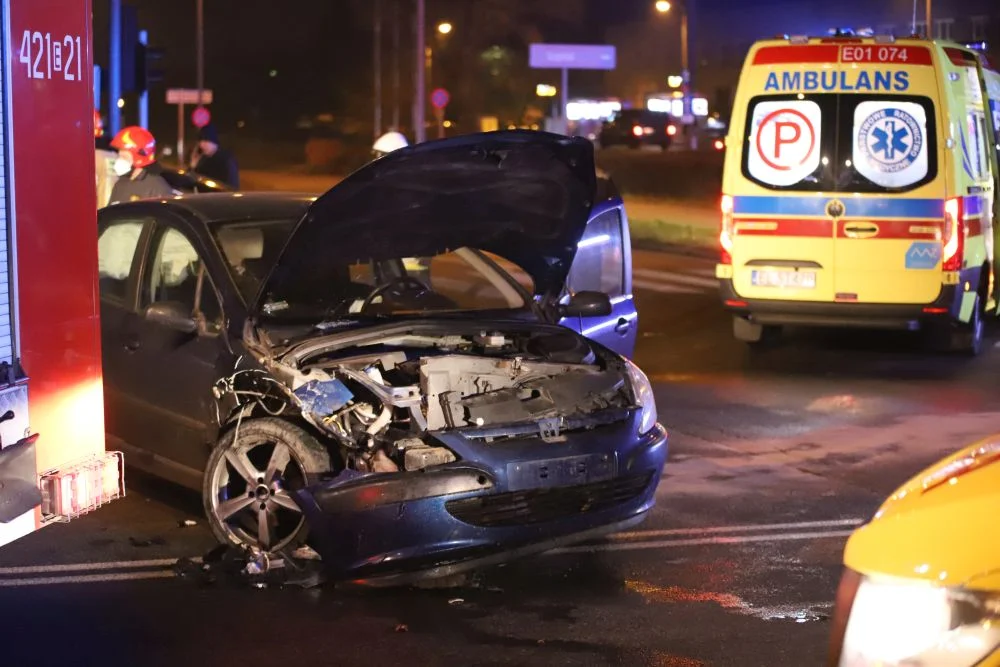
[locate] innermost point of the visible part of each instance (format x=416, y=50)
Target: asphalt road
x=775, y=457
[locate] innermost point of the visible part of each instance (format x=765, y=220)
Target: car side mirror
x=587, y=304
x=174, y=316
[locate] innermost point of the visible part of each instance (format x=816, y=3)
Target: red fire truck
x=53, y=463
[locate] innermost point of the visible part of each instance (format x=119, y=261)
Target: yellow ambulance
x=859, y=188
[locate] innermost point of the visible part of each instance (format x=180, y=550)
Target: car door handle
x=622, y=325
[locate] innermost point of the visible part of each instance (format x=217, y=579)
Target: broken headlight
x=905, y=623
x=643, y=392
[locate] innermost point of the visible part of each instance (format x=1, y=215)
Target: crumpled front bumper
x=500, y=501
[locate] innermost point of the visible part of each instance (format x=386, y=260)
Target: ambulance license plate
x=783, y=278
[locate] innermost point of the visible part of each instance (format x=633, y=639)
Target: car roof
x=217, y=207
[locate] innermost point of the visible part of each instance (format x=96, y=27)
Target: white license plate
x=783, y=278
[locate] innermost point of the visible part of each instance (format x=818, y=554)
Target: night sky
x=270, y=65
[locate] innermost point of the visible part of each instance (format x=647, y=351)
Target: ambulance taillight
x=726, y=233
x=954, y=235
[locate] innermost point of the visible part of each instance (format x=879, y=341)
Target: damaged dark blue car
x=423, y=372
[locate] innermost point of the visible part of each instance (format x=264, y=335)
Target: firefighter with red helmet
x=138, y=172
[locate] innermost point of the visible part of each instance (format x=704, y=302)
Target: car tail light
x=637, y=130
x=726, y=234
x=954, y=235
x=82, y=487
x=719, y=144
x=671, y=130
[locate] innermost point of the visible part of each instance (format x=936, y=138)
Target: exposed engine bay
x=381, y=401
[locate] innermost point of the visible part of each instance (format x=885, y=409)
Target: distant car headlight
x=906, y=623
x=643, y=392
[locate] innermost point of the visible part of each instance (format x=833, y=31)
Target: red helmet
x=139, y=142
x=98, y=124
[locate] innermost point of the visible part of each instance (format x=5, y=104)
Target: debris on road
x=402, y=627
x=301, y=568
x=456, y=601
x=187, y=523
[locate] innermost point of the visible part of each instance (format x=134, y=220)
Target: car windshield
x=459, y=280
x=832, y=142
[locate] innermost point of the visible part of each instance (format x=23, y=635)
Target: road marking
x=678, y=277
x=701, y=541
x=706, y=271
x=162, y=568
x=88, y=578
x=88, y=567
x=663, y=288
x=708, y=530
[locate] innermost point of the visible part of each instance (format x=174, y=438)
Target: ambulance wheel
x=247, y=482
x=753, y=334
x=968, y=338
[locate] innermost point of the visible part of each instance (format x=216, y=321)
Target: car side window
x=179, y=275
x=599, y=264
x=116, y=248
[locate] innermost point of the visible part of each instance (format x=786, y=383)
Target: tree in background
x=491, y=41
x=483, y=61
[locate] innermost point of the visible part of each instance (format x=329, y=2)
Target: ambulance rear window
x=835, y=142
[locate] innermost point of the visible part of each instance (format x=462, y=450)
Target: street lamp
x=663, y=6
x=444, y=29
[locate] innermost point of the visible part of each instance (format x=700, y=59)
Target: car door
x=121, y=239
x=171, y=371
x=603, y=263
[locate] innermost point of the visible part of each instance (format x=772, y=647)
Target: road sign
x=188, y=96
x=572, y=56
x=200, y=117
x=440, y=98
x=785, y=146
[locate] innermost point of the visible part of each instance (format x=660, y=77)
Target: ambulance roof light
x=885, y=39
x=840, y=32
x=799, y=39
x=865, y=32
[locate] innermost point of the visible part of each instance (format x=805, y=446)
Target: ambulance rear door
x=889, y=175
x=782, y=238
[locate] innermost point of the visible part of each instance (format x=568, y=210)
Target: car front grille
x=521, y=508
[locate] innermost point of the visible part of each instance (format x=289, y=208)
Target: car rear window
x=836, y=142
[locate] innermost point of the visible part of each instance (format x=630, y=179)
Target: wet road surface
x=775, y=457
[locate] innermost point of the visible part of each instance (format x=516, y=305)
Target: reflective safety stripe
x=894, y=229
x=811, y=227
x=854, y=207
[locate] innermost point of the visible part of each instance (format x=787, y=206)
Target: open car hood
x=525, y=196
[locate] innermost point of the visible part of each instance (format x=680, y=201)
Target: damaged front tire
x=247, y=482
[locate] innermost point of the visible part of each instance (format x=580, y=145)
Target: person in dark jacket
x=138, y=172
x=214, y=162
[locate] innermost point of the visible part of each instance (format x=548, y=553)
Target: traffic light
x=129, y=49
x=147, y=71
x=138, y=62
